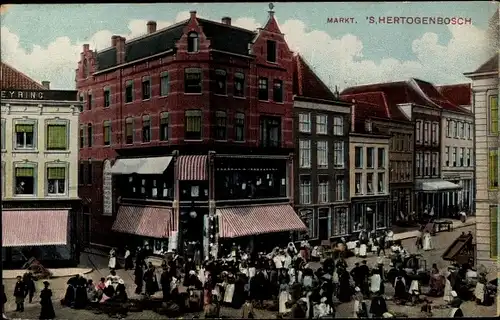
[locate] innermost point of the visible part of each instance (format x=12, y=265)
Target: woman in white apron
x=358, y=299
x=362, y=250
x=480, y=290
x=284, y=297
x=375, y=283
x=427, y=241
x=229, y=292
x=389, y=238
x=112, y=259
x=447, y=297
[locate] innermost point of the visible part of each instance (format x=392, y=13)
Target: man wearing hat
x=19, y=294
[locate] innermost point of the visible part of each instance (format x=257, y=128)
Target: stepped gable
x=222, y=37
x=459, y=94
x=432, y=93
x=306, y=83
x=11, y=78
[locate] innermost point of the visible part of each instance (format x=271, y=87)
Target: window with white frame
x=338, y=154
x=469, y=158
x=305, y=153
x=25, y=179
x=25, y=135
x=427, y=132
x=427, y=163
x=454, y=157
x=164, y=84
x=381, y=182
x=418, y=131
x=339, y=188
x=323, y=188
x=462, y=130
x=305, y=190
x=321, y=124
x=448, y=128
x=322, y=154
x=469, y=131
x=462, y=156
x=341, y=222
x=305, y=122
x=369, y=183
x=447, y=156
x=357, y=183
x=435, y=133
x=455, y=129
x=338, y=126
x=56, y=180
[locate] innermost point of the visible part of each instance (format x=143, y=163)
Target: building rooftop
x=222, y=37
x=459, y=94
x=11, y=78
x=307, y=84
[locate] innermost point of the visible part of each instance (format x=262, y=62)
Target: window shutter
x=56, y=137
x=494, y=232
x=28, y=128
x=56, y=173
x=25, y=172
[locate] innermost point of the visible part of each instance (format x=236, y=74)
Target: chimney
x=120, y=50
x=46, y=84
x=151, y=25
x=193, y=14
x=353, y=115
x=114, y=40
x=226, y=20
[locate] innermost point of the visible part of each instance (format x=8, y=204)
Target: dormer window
x=368, y=126
x=193, y=42
x=271, y=51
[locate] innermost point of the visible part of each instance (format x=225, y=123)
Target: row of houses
x=181, y=136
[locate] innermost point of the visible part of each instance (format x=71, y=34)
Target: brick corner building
x=189, y=125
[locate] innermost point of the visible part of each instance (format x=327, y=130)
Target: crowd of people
x=285, y=280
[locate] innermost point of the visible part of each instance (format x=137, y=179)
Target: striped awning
x=237, y=222
x=147, y=221
x=34, y=228
x=151, y=165
x=193, y=167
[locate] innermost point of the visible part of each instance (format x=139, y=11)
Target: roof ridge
x=230, y=26
x=314, y=74
x=22, y=74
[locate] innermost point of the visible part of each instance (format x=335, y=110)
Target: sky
x=45, y=41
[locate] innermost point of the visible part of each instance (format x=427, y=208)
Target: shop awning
x=151, y=165
x=34, y=228
x=147, y=221
x=435, y=185
x=193, y=167
x=237, y=222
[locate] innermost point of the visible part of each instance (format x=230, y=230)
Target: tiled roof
x=432, y=93
x=11, y=78
x=489, y=66
x=222, y=37
x=459, y=94
x=306, y=83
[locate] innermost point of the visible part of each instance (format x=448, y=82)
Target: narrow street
x=440, y=241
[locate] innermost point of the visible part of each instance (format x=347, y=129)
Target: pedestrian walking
x=47, y=310
x=381, y=244
x=138, y=278
x=129, y=264
x=112, y=259
x=20, y=294
x=30, y=286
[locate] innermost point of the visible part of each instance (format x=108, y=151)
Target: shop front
x=370, y=213
x=459, y=199
x=259, y=228
x=401, y=204
x=432, y=197
x=46, y=234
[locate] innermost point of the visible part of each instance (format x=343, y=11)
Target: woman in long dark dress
x=47, y=311
x=81, y=294
x=345, y=291
x=139, y=275
x=151, y=282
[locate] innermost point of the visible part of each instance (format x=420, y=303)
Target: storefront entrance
x=372, y=215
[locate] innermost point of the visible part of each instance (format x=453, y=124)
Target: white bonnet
x=357, y=289
x=454, y=294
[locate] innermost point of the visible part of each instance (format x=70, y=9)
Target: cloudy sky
x=45, y=41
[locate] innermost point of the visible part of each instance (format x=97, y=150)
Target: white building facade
x=485, y=82
x=457, y=152
x=40, y=203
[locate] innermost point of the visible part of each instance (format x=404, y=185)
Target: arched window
x=193, y=42
x=85, y=69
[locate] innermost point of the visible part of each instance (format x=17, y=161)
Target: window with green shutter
x=56, y=180
x=129, y=131
x=57, y=137
x=494, y=232
x=25, y=172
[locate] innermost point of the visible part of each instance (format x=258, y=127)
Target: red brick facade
x=253, y=65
